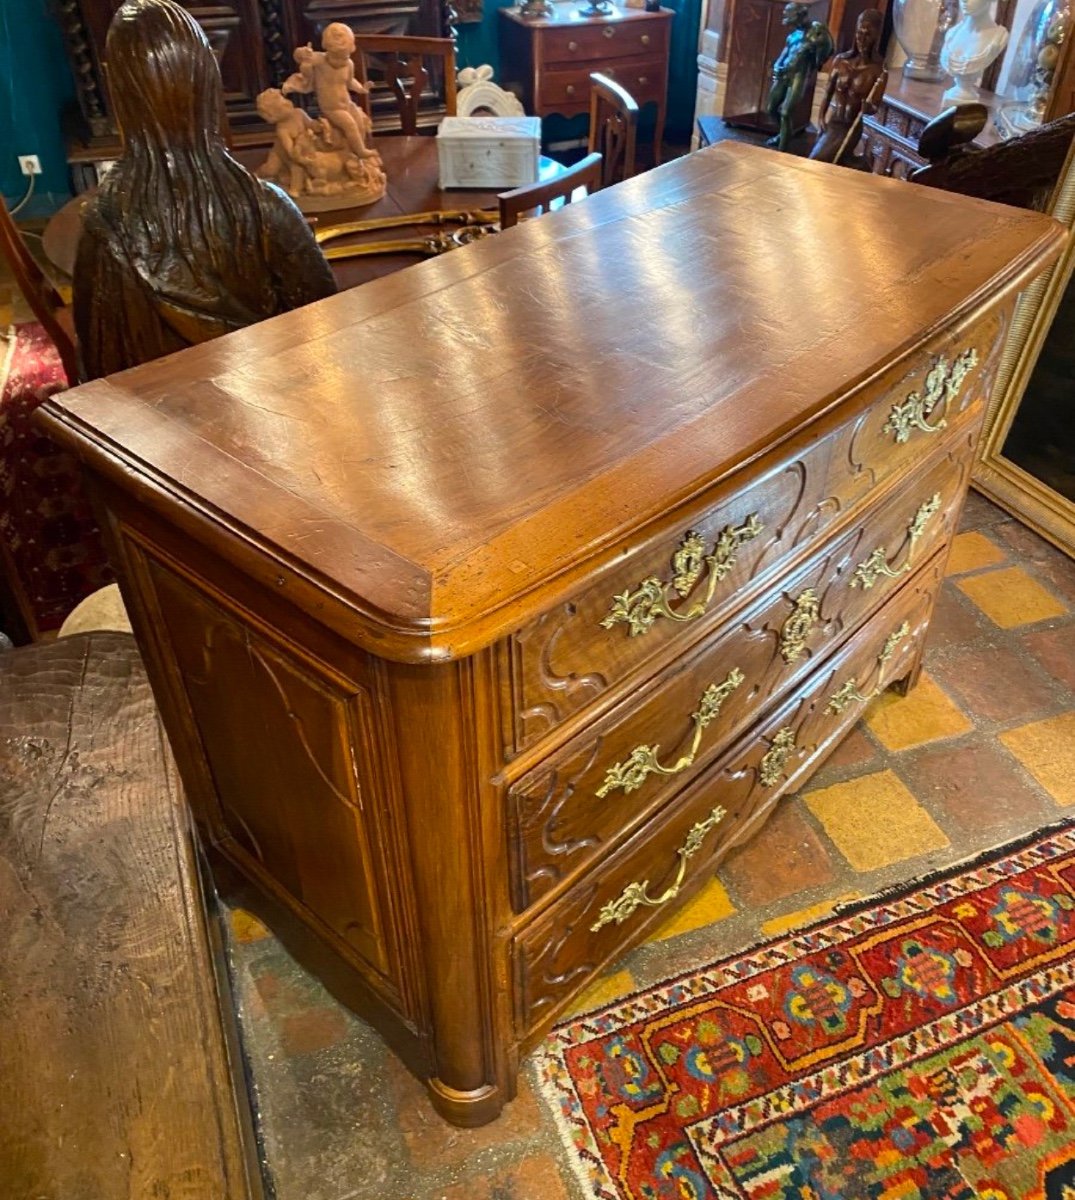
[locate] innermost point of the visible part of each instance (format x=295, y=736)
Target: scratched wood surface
x=113, y=1059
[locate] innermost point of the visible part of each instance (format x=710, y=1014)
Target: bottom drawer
x=672, y=855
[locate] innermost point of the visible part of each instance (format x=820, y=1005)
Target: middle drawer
x=564, y=812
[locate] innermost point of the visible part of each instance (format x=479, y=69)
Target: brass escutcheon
x=796, y=629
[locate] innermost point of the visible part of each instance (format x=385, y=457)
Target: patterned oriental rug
x=920, y=1044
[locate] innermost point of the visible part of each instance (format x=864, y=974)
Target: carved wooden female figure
x=853, y=81
x=181, y=243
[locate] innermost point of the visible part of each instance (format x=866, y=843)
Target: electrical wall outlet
x=29, y=164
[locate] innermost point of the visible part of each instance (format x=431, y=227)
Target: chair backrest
x=1023, y=171
x=44, y=300
x=613, y=128
x=584, y=174
x=399, y=62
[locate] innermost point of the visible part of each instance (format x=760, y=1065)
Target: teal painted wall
x=35, y=87
x=478, y=44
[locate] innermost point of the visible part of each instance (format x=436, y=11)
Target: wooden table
x=425, y=573
x=411, y=166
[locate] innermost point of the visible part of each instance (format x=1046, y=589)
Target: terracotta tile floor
x=981, y=752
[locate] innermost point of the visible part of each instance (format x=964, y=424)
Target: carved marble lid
x=496, y=129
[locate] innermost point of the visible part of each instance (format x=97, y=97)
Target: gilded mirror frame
x=1026, y=497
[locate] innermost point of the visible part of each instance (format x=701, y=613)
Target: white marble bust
x=972, y=43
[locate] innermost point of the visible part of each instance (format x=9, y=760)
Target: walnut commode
x=490, y=604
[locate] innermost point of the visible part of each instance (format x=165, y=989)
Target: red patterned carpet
x=919, y=1046
x=51, y=554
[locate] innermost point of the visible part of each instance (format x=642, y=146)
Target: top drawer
x=620, y=39
x=684, y=578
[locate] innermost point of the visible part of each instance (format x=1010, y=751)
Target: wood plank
x=115, y=1062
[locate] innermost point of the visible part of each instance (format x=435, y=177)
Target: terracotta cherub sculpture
x=291, y=126
x=808, y=45
x=856, y=83
x=330, y=75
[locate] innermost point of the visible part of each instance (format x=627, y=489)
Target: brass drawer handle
x=570, y=89
x=642, y=761
x=608, y=31
x=850, y=693
x=942, y=386
x=637, y=894
x=776, y=757
x=871, y=569
x=645, y=39
x=651, y=599
x=572, y=46
x=796, y=629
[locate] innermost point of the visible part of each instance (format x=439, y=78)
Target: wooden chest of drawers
x=550, y=59
x=490, y=604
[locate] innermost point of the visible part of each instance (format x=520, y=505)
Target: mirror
x=1027, y=452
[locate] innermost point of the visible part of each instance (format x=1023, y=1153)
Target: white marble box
x=488, y=152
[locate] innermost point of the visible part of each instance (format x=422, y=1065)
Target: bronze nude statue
x=181, y=243
x=808, y=45
x=856, y=84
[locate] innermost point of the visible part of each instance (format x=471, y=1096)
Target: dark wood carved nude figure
x=856, y=82
x=181, y=243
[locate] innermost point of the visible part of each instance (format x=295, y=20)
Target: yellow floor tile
x=711, y=904
x=973, y=551
x=926, y=714
x=1011, y=597
x=1047, y=750
x=874, y=820
x=604, y=990
x=246, y=927
x=805, y=916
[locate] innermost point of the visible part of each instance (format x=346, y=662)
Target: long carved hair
x=185, y=212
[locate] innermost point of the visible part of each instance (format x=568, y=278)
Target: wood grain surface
x=115, y=1066
x=372, y=439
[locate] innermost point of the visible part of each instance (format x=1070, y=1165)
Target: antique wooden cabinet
x=548, y=60
x=490, y=604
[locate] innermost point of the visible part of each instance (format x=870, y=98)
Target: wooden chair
x=44, y=300
x=613, y=128
x=584, y=174
x=399, y=62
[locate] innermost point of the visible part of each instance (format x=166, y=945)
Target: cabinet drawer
x=664, y=591
x=613, y=906
x=609, y=40
x=609, y=779
x=644, y=79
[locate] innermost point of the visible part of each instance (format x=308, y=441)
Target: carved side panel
x=80, y=50
x=291, y=751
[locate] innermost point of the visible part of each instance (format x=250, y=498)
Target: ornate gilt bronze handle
x=776, y=757
x=636, y=895
x=642, y=761
x=850, y=692
x=639, y=609
x=796, y=629
x=942, y=385
x=871, y=569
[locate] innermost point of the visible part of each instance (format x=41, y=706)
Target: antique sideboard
x=490, y=604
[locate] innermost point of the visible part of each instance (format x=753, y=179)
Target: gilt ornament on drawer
x=636, y=895
x=776, y=757
x=850, y=692
x=642, y=761
x=651, y=599
x=796, y=629
x=871, y=569
x=942, y=385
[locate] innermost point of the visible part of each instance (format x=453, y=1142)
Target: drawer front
x=599, y=43
x=610, y=778
x=665, y=591
x=643, y=78
x=610, y=910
